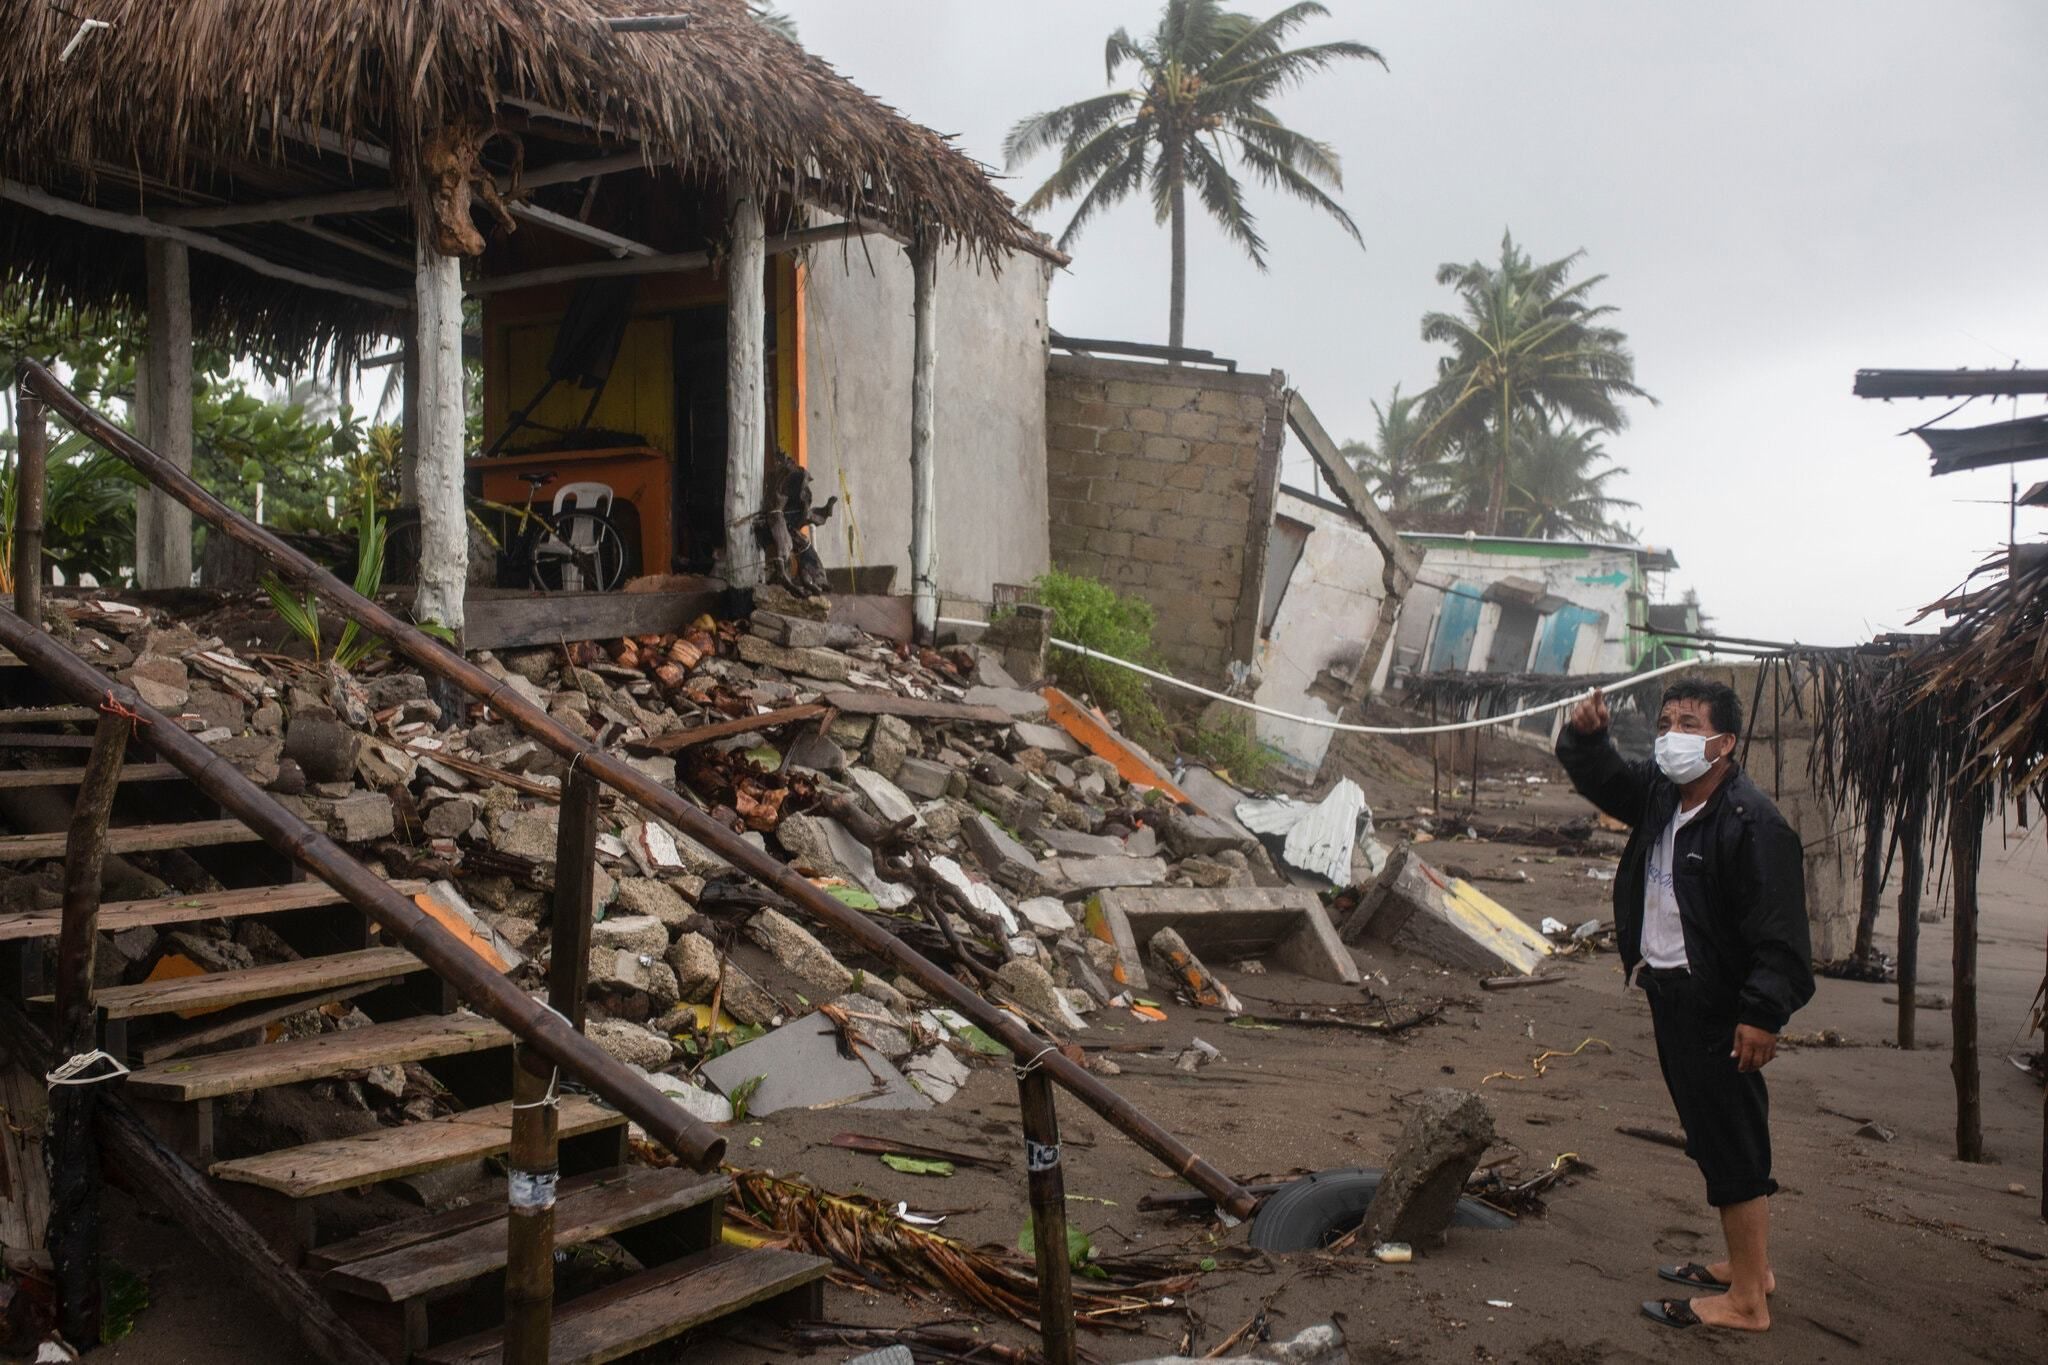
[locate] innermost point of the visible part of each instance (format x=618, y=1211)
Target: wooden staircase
x=424, y=1288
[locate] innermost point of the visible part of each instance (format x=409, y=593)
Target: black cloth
x=1738, y=873
x=1726, y=1113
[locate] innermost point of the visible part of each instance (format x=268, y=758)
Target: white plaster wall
x=990, y=415
x=1326, y=621
x=1565, y=578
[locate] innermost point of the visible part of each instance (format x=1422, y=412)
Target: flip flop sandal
x=1670, y=1312
x=1693, y=1275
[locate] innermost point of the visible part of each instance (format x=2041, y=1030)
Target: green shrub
x=1235, y=752
x=1094, y=614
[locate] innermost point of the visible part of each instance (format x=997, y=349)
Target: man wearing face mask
x=1710, y=917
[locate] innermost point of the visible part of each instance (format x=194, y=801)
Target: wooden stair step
x=324, y=1054
x=47, y=715
x=651, y=1307
x=14, y=778
x=392, y=1153
x=584, y=1211
x=161, y=910
x=217, y=990
x=15, y=848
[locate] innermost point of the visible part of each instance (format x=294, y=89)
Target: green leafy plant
x=1235, y=750
x=1091, y=613
x=911, y=1165
x=123, y=1296
x=1080, y=1250
x=302, y=611
x=742, y=1095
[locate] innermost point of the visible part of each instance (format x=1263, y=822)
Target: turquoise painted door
x=1560, y=635
x=1456, y=623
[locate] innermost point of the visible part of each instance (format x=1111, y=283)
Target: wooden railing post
x=73, y=1150
x=1048, y=1215
x=30, y=481
x=1912, y=830
x=534, y=1157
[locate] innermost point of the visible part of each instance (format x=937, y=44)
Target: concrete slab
x=884, y=796
x=1019, y=704
x=1001, y=856
x=800, y=1067
x=1082, y=845
x=1287, y=928
x=1415, y=907
x=1050, y=738
x=1077, y=876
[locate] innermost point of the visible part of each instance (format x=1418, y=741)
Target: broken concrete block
x=921, y=778
x=706, y=1106
x=256, y=757
x=526, y=833
x=1047, y=916
x=804, y=839
x=812, y=750
x=822, y=664
x=450, y=818
x=1078, y=876
x=1046, y=738
x=858, y=861
x=1286, y=927
x=1170, y=953
x=980, y=895
x=322, y=746
x=937, y=1074
x=658, y=767
x=1001, y=856
x=159, y=680
x=890, y=744
x=1209, y=873
x=1019, y=704
x=1415, y=907
x=641, y=934
x=1032, y=987
x=790, y=944
x=801, y=1066
x=1020, y=638
x=793, y=632
x=1080, y=845
x=1190, y=835
x=1445, y=1136
x=882, y=796
x=380, y=765
x=630, y=1043
x=646, y=896
x=357, y=818
x=694, y=960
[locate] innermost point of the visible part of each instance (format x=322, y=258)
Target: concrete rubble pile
x=975, y=825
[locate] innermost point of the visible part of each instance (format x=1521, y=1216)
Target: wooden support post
x=409, y=425
x=530, y=1210
x=1048, y=1215
x=1912, y=872
x=575, y=861
x=30, y=482
x=1966, y=851
x=924, y=511
x=73, y=1150
x=163, y=528
x=746, y=390
x=444, y=526
x=1873, y=874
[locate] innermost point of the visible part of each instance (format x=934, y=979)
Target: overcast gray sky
x=1779, y=194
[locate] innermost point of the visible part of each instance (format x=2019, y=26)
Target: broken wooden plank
x=676, y=740
x=392, y=1153
x=47, y=715
x=118, y=915
x=132, y=838
x=217, y=990
x=308, y=1059
x=914, y=708
x=484, y=772
x=1656, y=1135
x=514, y=622
x=229, y=1023
x=15, y=778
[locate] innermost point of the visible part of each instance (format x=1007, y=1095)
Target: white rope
x=69, y=1073
x=1037, y=1058
x=551, y=1100
x=1326, y=724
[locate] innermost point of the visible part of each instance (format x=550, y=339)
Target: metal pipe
x=437, y=659
x=543, y=1030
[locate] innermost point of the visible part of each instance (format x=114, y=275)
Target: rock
x=267, y=719
x=1081, y=845
x=1032, y=986
x=694, y=960
x=812, y=750
x=941, y=821
x=395, y=689
x=214, y=954
x=1209, y=874
x=938, y=1073
x=1076, y=876
x=998, y=772
x=641, y=934
x=646, y=896
x=805, y=840
x=290, y=779
x=851, y=732
x=982, y=896
x=790, y=944
x=1047, y=916
x=1018, y=703
x=534, y=665
x=1445, y=1136
x=1045, y=738
x=355, y=819
x=630, y=1043
x=920, y=777
x=527, y=833
x=822, y=664
x=882, y=796
x=450, y=817
x=793, y=632
x=159, y=680
x=890, y=743
x=1001, y=856
x=659, y=767
x=873, y=1026
x=1190, y=835
x=379, y=766
x=322, y=746
x=387, y=1081
x=256, y=757
x=502, y=896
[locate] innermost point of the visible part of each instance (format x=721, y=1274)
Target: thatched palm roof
x=211, y=96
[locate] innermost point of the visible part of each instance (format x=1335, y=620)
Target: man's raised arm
x=1597, y=770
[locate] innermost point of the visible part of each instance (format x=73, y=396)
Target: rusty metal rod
x=544, y=1031
x=442, y=662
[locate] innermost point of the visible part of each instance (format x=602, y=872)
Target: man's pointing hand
x=1590, y=716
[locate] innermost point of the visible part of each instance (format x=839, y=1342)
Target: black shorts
x=1726, y=1113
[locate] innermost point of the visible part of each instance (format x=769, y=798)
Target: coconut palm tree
x=1527, y=342
x=1204, y=79
x=1558, y=487
x=1403, y=474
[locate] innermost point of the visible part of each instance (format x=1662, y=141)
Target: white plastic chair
x=589, y=496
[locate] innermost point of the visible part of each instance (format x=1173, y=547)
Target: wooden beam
x=746, y=390
x=163, y=529
x=674, y=263
x=533, y=1167
x=1048, y=1196
x=574, y=906
x=677, y=740
x=582, y=231
x=444, y=528
x=924, y=510
x=43, y=202
x=30, y=483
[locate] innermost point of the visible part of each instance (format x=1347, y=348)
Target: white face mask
x=1683, y=758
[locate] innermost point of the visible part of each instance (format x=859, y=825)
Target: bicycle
x=578, y=549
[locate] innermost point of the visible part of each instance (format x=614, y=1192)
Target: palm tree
x=1203, y=81
x=1402, y=473
x=1527, y=343
x=1559, y=483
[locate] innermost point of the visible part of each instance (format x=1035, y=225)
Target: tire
x=1316, y=1210
x=599, y=567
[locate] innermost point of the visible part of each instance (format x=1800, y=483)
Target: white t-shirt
x=1663, y=935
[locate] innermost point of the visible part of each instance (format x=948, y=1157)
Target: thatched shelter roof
x=233, y=102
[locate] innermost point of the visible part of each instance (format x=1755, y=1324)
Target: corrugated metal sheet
x=1320, y=838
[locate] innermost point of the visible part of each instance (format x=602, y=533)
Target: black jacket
x=1739, y=875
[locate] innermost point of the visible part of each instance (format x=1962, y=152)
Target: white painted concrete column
x=746, y=390
x=163, y=528
x=444, y=530
x=924, y=510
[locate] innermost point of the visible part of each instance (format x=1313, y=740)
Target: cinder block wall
x=1160, y=482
